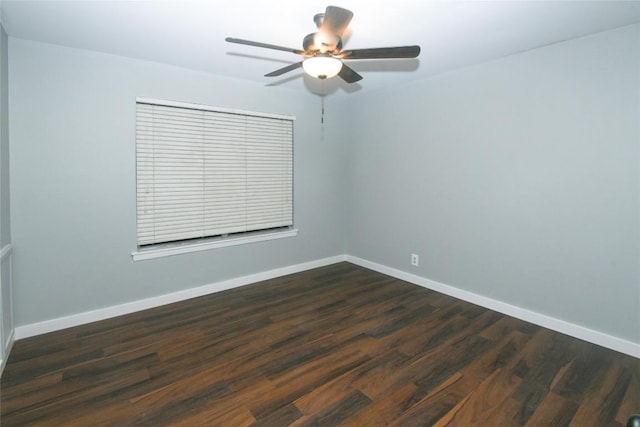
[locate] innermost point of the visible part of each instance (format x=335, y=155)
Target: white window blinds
x=205, y=172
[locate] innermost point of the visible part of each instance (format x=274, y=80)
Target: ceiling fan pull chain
x=322, y=104
x=322, y=95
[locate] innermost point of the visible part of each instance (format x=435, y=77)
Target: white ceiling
x=191, y=34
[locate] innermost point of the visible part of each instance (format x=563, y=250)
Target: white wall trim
x=160, y=251
x=562, y=326
x=52, y=325
x=6, y=251
x=8, y=347
x=7, y=342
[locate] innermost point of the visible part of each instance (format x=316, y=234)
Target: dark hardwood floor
x=338, y=345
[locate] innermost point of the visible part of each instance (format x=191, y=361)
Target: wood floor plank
x=586, y=368
x=236, y=417
x=384, y=411
x=339, y=412
x=116, y=412
x=631, y=401
x=553, y=410
x=448, y=397
x=602, y=401
x=484, y=403
x=336, y=345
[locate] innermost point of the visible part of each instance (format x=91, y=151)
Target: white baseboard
x=7, y=351
x=131, y=307
x=586, y=334
x=590, y=335
x=7, y=342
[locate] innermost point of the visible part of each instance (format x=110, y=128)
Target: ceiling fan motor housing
x=321, y=42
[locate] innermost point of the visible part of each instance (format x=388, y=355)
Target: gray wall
x=5, y=222
x=517, y=179
x=73, y=180
x=6, y=314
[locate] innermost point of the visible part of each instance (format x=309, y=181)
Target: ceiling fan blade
x=284, y=69
x=381, y=52
x=348, y=74
x=336, y=20
x=265, y=45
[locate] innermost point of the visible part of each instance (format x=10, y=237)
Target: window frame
x=163, y=249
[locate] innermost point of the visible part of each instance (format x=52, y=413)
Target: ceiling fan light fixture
x=322, y=67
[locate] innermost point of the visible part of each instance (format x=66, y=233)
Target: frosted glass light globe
x=322, y=67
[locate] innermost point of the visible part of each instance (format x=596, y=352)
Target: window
x=203, y=172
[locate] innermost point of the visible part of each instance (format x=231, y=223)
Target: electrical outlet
x=415, y=260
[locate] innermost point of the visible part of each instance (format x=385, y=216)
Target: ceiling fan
x=323, y=50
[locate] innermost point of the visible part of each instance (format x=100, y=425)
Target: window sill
x=170, y=250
